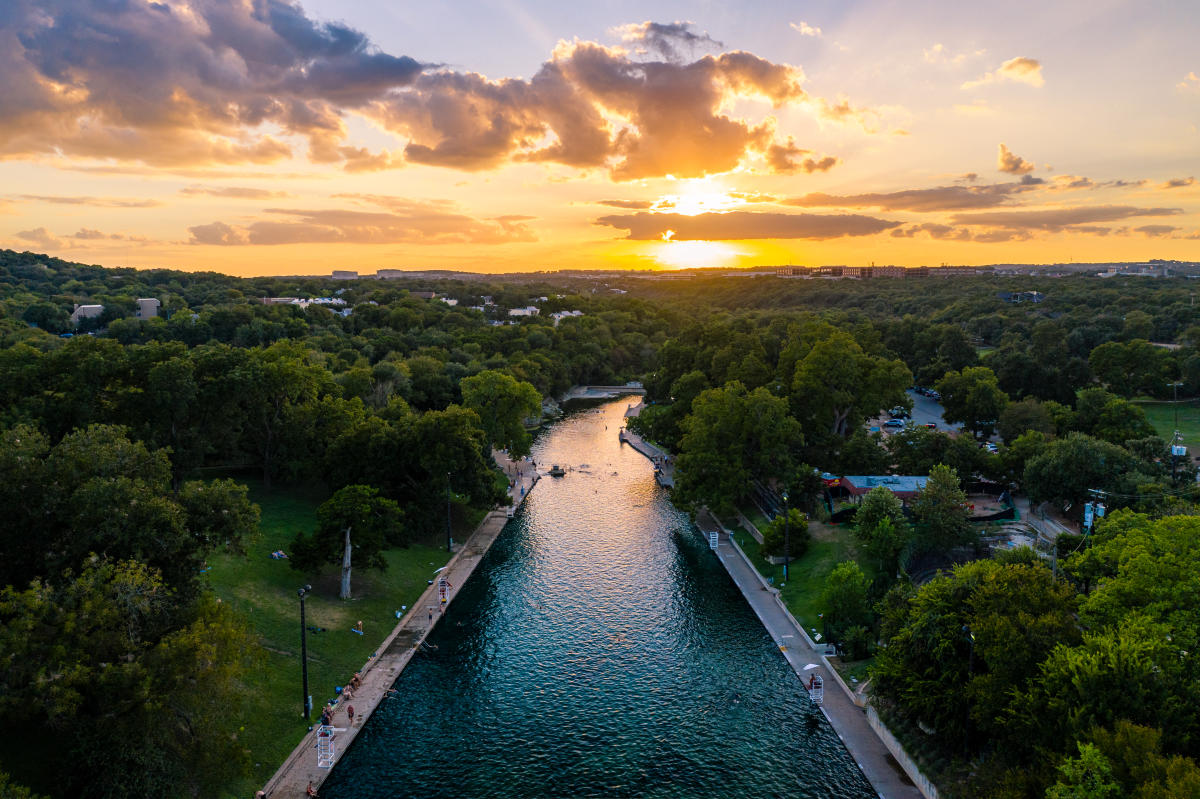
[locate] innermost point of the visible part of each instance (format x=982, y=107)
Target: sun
x=695, y=254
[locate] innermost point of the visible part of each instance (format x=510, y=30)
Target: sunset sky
x=264, y=137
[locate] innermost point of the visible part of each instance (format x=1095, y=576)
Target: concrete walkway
x=848, y=721
x=664, y=465
x=380, y=672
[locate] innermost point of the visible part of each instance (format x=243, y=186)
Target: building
x=1021, y=296
x=903, y=486
x=85, y=312
x=529, y=310
x=558, y=316
x=344, y=274
x=147, y=308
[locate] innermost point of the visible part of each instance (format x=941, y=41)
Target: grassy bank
x=829, y=546
x=1162, y=416
x=264, y=592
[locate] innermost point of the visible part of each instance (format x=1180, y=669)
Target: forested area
x=116, y=662
x=121, y=455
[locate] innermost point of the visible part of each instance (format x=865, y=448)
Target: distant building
x=1021, y=296
x=344, y=274
x=85, y=312
x=529, y=310
x=558, y=316
x=280, y=300
x=449, y=301
x=147, y=308
x=423, y=295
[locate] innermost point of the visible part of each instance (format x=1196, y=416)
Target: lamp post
x=786, y=536
x=304, y=654
x=449, y=540
x=1175, y=438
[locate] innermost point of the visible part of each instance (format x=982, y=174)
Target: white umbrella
x=811, y=666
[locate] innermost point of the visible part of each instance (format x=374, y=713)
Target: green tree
x=798, y=536
x=940, y=511
x=219, y=513
x=1088, y=776
x=837, y=386
x=1069, y=468
x=882, y=534
x=503, y=404
x=973, y=397
x=845, y=603
x=1017, y=418
x=355, y=518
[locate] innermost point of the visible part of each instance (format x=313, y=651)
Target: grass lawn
x=802, y=594
x=264, y=592
x=1162, y=416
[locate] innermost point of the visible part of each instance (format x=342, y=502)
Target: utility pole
x=1177, y=439
x=786, y=540
x=304, y=655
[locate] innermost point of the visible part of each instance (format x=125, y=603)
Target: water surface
x=600, y=650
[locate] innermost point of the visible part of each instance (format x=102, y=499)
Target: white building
x=558, y=316
x=529, y=310
x=85, y=312
x=147, y=308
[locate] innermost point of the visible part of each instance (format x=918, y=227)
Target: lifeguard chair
x=816, y=689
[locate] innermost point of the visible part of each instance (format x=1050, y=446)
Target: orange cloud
x=1012, y=163
x=736, y=225
x=1019, y=70
x=787, y=158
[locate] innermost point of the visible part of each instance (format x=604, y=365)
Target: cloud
x=1012, y=163
x=938, y=54
x=1178, y=183
x=1019, y=70
x=404, y=221
x=744, y=225
x=787, y=158
x=591, y=106
x=632, y=205
x=99, y=202
x=665, y=38
x=1059, y=219
x=204, y=82
x=935, y=230
x=804, y=29
x=1190, y=82
x=41, y=237
x=939, y=198
x=234, y=192
x=90, y=234
x=1156, y=231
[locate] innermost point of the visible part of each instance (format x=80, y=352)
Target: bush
x=797, y=534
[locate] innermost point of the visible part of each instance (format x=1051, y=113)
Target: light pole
x=1175, y=438
x=449, y=547
x=786, y=536
x=304, y=654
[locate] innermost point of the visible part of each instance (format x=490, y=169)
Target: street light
x=449, y=541
x=786, y=538
x=304, y=654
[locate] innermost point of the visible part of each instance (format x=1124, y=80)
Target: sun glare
x=695, y=254
x=698, y=196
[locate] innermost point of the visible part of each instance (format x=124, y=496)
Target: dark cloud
x=90, y=234
x=1178, y=183
x=99, y=202
x=1058, y=219
x=672, y=114
x=234, y=192
x=935, y=231
x=939, y=198
x=744, y=225
x=405, y=221
x=666, y=39
x=182, y=83
x=1012, y=163
x=787, y=158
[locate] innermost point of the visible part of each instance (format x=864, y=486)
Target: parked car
x=930, y=425
x=898, y=413
x=894, y=423
x=990, y=447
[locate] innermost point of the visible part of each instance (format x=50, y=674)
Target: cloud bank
x=744, y=225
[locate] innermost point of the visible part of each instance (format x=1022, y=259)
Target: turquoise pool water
x=600, y=650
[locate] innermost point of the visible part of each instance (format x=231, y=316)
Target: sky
x=269, y=137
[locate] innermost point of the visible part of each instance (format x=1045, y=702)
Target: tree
x=798, y=535
x=731, y=437
x=1069, y=468
x=846, y=604
x=354, y=518
x=940, y=510
x=973, y=397
x=503, y=404
x=837, y=386
x=882, y=534
x=219, y=512
x=1088, y=776
x=1020, y=417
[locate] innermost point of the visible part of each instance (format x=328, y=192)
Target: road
x=926, y=410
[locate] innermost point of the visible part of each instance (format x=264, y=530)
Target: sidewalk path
x=665, y=466
x=848, y=721
x=378, y=675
